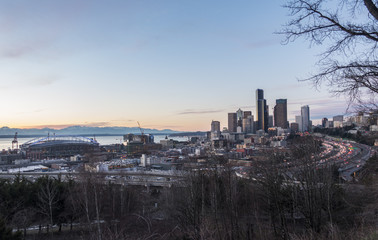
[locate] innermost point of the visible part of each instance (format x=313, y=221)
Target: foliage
x=212, y=203
x=6, y=233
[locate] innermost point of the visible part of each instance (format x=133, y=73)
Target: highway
x=348, y=155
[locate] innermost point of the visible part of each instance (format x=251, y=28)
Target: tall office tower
x=305, y=117
x=280, y=114
x=239, y=117
x=255, y=123
x=248, y=124
x=232, y=122
x=215, y=129
x=262, y=111
x=215, y=126
x=298, y=119
x=266, y=117
x=324, y=122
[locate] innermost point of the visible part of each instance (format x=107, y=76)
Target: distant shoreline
x=83, y=135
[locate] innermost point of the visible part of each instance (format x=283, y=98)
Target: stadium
x=58, y=147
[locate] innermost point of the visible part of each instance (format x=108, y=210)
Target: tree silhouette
x=349, y=65
x=6, y=233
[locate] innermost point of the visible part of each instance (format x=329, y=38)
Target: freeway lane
x=349, y=156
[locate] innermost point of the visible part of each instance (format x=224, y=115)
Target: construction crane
x=142, y=132
x=15, y=142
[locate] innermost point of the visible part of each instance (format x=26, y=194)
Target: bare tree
x=316, y=192
x=349, y=66
x=23, y=218
x=275, y=194
x=48, y=198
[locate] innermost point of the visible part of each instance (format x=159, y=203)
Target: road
x=350, y=156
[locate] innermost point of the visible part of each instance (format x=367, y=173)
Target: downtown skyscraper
x=232, y=122
x=280, y=114
x=215, y=129
x=262, y=114
x=305, y=118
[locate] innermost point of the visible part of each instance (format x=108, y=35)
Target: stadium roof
x=59, y=140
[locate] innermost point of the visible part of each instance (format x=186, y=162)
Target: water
x=6, y=143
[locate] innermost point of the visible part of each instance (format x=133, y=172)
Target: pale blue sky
x=166, y=63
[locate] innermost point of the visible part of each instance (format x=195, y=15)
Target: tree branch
x=373, y=10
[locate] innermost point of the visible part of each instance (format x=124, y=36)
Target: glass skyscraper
x=262, y=117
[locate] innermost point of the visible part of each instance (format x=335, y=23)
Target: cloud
x=191, y=111
x=328, y=111
x=165, y=126
x=123, y=120
x=320, y=108
x=261, y=44
x=246, y=107
x=281, y=88
x=38, y=81
x=95, y=124
x=61, y=126
x=27, y=47
x=31, y=112
x=15, y=52
x=52, y=126
x=318, y=102
x=43, y=80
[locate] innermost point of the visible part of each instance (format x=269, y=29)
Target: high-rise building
x=215, y=129
x=260, y=108
x=248, y=124
x=255, y=123
x=232, y=122
x=280, y=113
x=324, y=122
x=262, y=111
x=298, y=119
x=215, y=126
x=305, y=117
x=239, y=117
x=266, y=117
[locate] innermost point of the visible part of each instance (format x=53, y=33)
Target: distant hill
x=82, y=130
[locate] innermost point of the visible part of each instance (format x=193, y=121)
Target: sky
x=167, y=64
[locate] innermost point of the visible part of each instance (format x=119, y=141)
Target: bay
x=6, y=142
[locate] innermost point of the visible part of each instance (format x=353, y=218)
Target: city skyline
x=167, y=65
